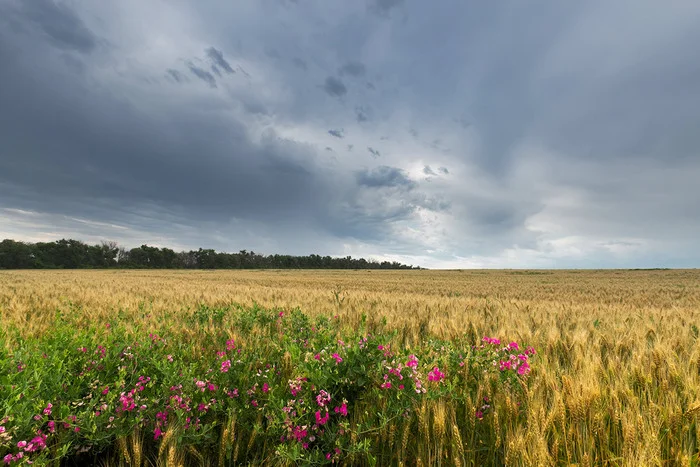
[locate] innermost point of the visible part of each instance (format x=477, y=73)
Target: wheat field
x=617, y=375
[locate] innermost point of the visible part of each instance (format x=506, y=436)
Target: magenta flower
x=322, y=420
x=479, y=414
x=412, y=361
x=105, y=391
x=524, y=369
x=225, y=366
x=436, y=375
x=342, y=410
x=230, y=344
x=530, y=351
x=504, y=365
x=8, y=459
x=157, y=433
x=337, y=358
x=265, y=387
x=47, y=410
x=299, y=433
x=513, y=346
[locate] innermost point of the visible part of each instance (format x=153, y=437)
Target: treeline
x=74, y=254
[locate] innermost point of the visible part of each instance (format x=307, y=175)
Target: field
x=614, y=378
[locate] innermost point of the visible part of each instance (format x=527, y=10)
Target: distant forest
x=74, y=254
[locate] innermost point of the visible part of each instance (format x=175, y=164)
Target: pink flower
x=2, y=429
x=7, y=459
x=436, y=375
x=412, y=361
x=21, y=444
x=299, y=433
x=479, y=414
x=401, y=386
x=323, y=398
x=322, y=420
x=513, y=346
x=317, y=356
x=52, y=426
x=157, y=433
x=524, y=369
x=265, y=387
x=230, y=344
x=337, y=358
x=254, y=403
x=170, y=358
x=530, y=351
x=386, y=385
x=342, y=410
x=47, y=410
x=105, y=391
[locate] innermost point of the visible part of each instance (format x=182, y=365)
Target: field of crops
x=350, y=367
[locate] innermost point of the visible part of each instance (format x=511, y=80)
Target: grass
x=616, y=378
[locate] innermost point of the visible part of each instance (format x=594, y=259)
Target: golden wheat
x=617, y=369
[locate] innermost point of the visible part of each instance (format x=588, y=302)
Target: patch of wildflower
x=303, y=383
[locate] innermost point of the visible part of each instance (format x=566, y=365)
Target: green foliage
x=302, y=390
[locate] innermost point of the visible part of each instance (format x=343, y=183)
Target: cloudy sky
x=450, y=133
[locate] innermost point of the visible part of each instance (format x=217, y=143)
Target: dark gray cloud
x=383, y=7
x=300, y=63
x=334, y=87
x=217, y=57
x=564, y=148
x=202, y=74
x=362, y=114
x=385, y=176
x=354, y=69
x=63, y=26
x=176, y=75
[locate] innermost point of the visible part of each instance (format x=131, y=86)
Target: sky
x=445, y=134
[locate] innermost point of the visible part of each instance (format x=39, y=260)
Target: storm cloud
x=334, y=87
x=554, y=134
